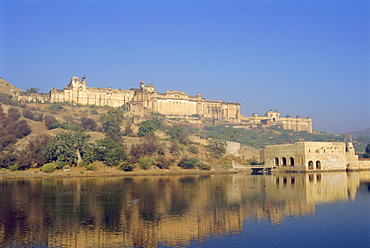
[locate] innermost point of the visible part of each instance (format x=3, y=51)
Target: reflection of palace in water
x=149, y=211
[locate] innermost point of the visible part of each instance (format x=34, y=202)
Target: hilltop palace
x=171, y=103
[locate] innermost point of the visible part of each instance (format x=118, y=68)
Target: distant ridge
x=360, y=133
x=7, y=88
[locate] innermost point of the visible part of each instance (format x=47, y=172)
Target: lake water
x=234, y=210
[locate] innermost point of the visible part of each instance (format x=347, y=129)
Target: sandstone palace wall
x=146, y=99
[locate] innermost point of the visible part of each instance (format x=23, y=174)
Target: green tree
x=146, y=162
x=111, y=123
x=147, y=128
x=69, y=149
x=32, y=90
x=367, y=151
x=88, y=124
x=193, y=149
x=178, y=132
x=109, y=151
x=191, y=163
x=32, y=154
x=217, y=147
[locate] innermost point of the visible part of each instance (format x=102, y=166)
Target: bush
x=28, y=114
x=94, y=112
x=146, y=162
x=56, y=106
x=90, y=167
x=48, y=168
x=217, y=147
x=175, y=148
x=162, y=162
x=128, y=167
x=193, y=149
x=203, y=166
x=88, y=123
x=49, y=121
x=189, y=163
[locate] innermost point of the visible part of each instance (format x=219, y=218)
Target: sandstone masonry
x=146, y=99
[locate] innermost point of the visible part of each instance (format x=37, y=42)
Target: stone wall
x=233, y=148
x=138, y=100
x=313, y=156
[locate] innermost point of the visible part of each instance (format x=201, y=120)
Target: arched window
x=283, y=160
x=277, y=161
x=291, y=161
x=318, y=165
x=310, y=165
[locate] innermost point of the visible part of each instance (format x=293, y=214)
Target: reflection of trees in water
x=147, y=210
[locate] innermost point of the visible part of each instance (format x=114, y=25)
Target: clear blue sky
x=298, y=57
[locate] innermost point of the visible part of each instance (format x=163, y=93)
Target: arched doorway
x=276, y=161
x=310, y=165
x=283, y=161
x=318, y=165
x=291, y=161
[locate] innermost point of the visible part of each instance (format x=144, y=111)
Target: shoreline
x=111, y=172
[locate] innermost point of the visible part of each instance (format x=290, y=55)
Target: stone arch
x=318, y=165
x=283, y=161
x=276, y=161
x=291, y=161
x=310, y=165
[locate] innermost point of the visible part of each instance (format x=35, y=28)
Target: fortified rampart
x=138, y=101
x=146, y=99
x=272, y=118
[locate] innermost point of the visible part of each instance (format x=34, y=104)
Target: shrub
x=189, y=163
x=217, y=147
x=28, y=114
x=146, y=162
x=193, y=149
x=48, y=168
x=162, y=162
x=56, y=106
x=90, y=167
x=94, y=112
x=88, y=123
x=175, y=148
x=32, y=153
x=178, y=132
x=49, y=121
x=14, y=113
x=128, y=167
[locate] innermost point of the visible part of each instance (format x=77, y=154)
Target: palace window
x=310, y=165
x=283, y=161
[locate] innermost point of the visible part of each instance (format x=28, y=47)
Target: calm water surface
x=238, y=210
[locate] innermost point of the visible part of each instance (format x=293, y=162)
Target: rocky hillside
x=7, y=88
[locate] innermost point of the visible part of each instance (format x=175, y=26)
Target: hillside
x=152, y=140
x=7, y=88
x=360, y=133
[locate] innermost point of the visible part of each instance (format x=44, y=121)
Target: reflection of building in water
x=314, y=156
x=148, y=211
